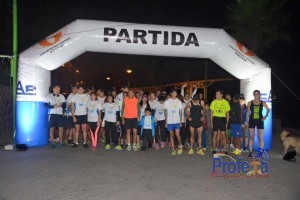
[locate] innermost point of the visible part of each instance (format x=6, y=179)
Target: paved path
x=67, y=173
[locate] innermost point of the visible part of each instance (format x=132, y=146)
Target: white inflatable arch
x=80, y=36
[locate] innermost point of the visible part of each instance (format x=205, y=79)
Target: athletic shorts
x=219, y=123
x=56, y=121
x=81, y=119
x=236, y=130
x=69, y=123
x=131, y=123
x=196, y=124
x=256, y=123
x=172, y=127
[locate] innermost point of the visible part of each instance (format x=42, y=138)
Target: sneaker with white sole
x=128, y=148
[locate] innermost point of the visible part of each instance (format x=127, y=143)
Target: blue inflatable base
x=32, y=127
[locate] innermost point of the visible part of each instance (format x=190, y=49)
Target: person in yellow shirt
x=219, y=118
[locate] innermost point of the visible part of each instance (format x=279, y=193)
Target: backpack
x=290, y=156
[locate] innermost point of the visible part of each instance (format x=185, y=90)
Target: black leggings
x=111, y=130
x=147, y=139
x=160, y=131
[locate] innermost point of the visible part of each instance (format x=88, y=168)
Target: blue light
x=32, y=126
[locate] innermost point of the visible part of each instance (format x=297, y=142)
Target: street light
x=77, y=71
x=129, y=71
x=108, y=78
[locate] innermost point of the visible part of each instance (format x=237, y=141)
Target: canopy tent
x=80, y=36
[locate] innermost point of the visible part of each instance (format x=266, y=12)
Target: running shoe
x=232, y=146
x=204, y=149
x=128, y=148
x=62, y=144
x=75, y=145
x=138, y=146
x=135, y=147
x=245, y=150
x=173, y=153
x=94, y=149
x=200, y=152
x=53, y=145
x=162, y=145
x=85, y=145
x=156, y=147
x=191, y=151
x=103, y=141
x=118, y=147
x=107, y=147
x=236, y=152
x=70, y=141
x=179, y=151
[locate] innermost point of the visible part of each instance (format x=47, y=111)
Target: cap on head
x=236, y=96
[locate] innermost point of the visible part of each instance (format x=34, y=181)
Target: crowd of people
x=138, y=121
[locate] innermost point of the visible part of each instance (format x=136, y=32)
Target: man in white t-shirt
x=57, y=103
x=119, y=98
x=173, y=107
x=69, y=123
x=79, y=114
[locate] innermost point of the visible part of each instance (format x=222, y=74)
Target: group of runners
x=139, y=121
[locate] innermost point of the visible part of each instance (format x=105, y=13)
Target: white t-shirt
x=160, y=111
x=153, y=104
x=119, y=98
x=173, y=107
x=110, y=111
x=80, y=104
x=144, y=106
x=101, y=100
x=94, y=108
x=53, y=100
x=69, y=104
x=148, y=122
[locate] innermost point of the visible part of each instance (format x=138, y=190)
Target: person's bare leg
x=192, y=137
x=223, y=138
x=52, y=134
x=177, y=132
x=134, y=135
x=261, y=138
x=128, y=136
x=84, y=132
x=251, y=130
x=172, y=139
x=77, y=127
x=215, y=133
x=60, y=134
x=200, y=130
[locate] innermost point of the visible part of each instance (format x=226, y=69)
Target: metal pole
x=14, y=62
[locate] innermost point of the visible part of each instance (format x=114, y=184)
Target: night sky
x=38, y=19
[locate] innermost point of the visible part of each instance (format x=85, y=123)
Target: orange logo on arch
x=243, y=49
x=56, y=37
